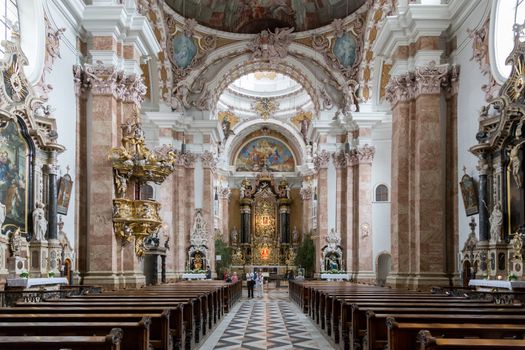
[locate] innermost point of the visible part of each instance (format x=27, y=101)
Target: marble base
x=107, y=280
x=16, y=265
x=38, y=259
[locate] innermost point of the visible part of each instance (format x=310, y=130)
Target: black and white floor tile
x=271, y=322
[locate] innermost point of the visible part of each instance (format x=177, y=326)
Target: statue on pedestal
x=496, y=220
x=235, y=235
x=39, y=223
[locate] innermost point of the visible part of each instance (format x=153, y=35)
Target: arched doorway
x=384, y=263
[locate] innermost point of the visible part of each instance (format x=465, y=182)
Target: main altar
x=265, y=239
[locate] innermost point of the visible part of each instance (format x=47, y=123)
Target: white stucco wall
x=381, y=170
x=63, y=100
x=470, y=101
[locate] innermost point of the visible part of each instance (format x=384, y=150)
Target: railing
x=11, y=297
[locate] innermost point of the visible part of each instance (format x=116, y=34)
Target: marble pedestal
x=38, y=259
x=55, y=258
x=16, y=265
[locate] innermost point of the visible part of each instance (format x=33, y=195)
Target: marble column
x=284, y=222
x=321, y=161
x=398, y=93
x=365, y=155
x=306, y=196
x=52, y=170
x=53, y=244
x=209, y=167
x=341, y=205
x=483, y=197
x=246, y=213
x=102, y=245
x=224, y=213
x=429, y=188
x=180, y=244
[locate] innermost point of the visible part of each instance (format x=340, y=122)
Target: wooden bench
x=428, y=342
x=159, y=327
x=403, y=336
x=135, y=334
x=109, y=342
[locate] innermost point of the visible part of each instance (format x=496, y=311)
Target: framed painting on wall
x=469, y=194
x=64, y=194
x=14, y=176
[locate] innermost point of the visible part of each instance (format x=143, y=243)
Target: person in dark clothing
x=250, y=281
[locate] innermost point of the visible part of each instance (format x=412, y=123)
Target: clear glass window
x=8, y=16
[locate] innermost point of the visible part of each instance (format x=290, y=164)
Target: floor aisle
x=271, y=322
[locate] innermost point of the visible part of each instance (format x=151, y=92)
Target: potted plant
x=24, y=274
x=51, y=274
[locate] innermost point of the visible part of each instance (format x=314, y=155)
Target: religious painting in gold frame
x=15, y=186
x=64, y=194
x=469, y=194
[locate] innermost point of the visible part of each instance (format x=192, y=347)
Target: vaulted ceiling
x=253, y=16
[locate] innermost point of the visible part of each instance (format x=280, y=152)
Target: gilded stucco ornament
x=272, y=47
x=342, y=51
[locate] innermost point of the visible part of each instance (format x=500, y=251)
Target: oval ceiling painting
x=254, y=16
x=265, y=154
x=184, y=50
x=345, y=50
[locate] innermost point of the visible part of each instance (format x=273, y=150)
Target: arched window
x=8, y=16
x=381, y=193
x=504, y=17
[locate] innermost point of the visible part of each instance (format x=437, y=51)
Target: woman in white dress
x=259, y=283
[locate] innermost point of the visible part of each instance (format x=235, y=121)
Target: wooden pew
x=180, y=316
x=109, y=342
x=428, y=342
x=176, y=329
x=378, y=322
x=403, y=336
x=159, y=328
x=136, y=334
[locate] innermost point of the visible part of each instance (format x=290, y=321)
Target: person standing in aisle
x=259, y=283
x=250, y=281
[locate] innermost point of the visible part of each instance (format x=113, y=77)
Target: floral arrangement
x=512, y=277
x=24, y=275
x=334, y=271
x=51, y=274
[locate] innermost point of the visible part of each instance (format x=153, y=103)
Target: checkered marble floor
x=271, y=322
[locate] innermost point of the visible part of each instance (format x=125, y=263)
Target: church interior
x=358, y=164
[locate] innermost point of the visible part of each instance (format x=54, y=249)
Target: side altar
x=497, y=253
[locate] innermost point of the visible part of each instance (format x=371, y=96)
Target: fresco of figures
x=265, y=154
x=253, y=16
x=13, y=176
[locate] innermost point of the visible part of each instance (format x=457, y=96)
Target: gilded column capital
x=321, y=160
x=366, y=153
x=430, y=78
x=360, y=155
x=225, y=193
x=208, y=160
x=103, y=79
x=339, y=159
x=400, y=88
x=306, y=192
x=186, y=159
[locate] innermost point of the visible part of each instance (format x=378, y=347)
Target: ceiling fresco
x=254, y=16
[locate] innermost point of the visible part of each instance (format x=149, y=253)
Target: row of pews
x=169, y=316
x=370, y=317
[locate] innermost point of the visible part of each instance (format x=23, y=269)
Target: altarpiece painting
x=14, y=168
